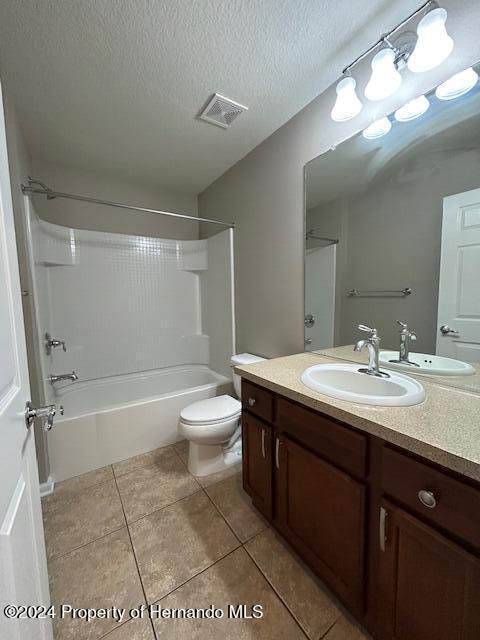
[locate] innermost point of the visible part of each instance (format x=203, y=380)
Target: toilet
x=212, y=427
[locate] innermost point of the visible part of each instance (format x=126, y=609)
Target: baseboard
x=47, y=487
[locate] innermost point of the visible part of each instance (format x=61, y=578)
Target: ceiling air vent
x=222, y=111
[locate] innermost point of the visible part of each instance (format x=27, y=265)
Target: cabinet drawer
x=331, y=439
x=455, y=506
x=257, y=400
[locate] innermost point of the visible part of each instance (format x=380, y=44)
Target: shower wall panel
x=122, y=303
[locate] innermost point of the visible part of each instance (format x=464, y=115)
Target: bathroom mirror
x=392, y=233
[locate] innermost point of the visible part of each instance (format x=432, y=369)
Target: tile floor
x=144, y=531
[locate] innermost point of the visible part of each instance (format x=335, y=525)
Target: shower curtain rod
x=43, y=190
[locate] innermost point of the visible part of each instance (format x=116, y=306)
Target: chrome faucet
x=404, y=350
x=53, y=343
x=62, y=376
x=373, y=345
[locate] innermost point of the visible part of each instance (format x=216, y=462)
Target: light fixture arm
x=385, y=39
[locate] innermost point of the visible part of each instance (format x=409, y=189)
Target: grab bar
x=356, y=293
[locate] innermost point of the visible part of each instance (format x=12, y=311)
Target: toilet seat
x=212, y=427
x=211, y=411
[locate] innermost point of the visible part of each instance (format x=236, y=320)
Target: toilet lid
x=211, y=410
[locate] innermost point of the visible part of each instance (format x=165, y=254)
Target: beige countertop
x=445, y=428
x=467, y=383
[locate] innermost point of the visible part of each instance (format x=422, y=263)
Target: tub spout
x=53, y=378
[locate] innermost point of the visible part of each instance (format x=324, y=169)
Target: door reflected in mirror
x=393, y=241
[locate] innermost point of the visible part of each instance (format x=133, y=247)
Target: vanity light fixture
x=412, y=109
x=458, y=85
x=434, y=45
x=385, y=79
x=347, y=105
x=420, y=51
x=377, y=129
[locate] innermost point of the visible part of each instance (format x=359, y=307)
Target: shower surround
x=149, y=328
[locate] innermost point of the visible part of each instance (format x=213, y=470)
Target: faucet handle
x=411, y=334
x=363, y=327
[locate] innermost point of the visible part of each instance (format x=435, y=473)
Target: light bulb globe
x=412, y=109
x=347, y=105
x=434, y=45
x=377, y=129
x=458, y=85
x=385, y=79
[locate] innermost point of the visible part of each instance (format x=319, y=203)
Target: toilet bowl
x=209, y=426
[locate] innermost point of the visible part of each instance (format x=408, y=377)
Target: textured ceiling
x=115, y=86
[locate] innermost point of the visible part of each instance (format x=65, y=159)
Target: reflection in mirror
x=393, y=234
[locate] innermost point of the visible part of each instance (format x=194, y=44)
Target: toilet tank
x=239, y=359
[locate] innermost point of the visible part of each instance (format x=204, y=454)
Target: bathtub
x=111, y=419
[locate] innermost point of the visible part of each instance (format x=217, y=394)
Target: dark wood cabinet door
x=429, y=586
x=321, y=511
x=257, y=462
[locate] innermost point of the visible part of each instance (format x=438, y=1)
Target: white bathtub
x=112, y=419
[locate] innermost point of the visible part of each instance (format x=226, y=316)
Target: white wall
x=71, y=213
x=264, y=195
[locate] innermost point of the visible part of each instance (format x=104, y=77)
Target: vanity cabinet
x=257, y=463
x=396, y=538
x=429, y=586
x=321, y=511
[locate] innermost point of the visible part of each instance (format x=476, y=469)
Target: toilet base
x=205, y=459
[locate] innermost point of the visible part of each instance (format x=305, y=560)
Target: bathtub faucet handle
x=53, y=343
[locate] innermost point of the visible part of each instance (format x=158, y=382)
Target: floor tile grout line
x=241, y=546
x=182, y=584
x=61, y=555
x=136, y=561
x=324, y=636
x=195, y=477
x=90, y=486
x=257, y=533
x=111, y=631
x=200, y=488
x=275, y=590
x=146, y=466
x=189, y=495
x=82, y=546
x=337, y=604
x=185, y=464
x=222, y=516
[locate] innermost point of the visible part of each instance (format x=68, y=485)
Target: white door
x=23, y=567
x=320, y=297
x=459, y=288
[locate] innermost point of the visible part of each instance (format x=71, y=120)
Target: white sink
x=433, y=365
x=345, y=382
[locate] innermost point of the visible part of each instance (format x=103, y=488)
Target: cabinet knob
x=427, y=498
x=251, y=401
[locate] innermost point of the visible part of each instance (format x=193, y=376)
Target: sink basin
x=428, y=363
x=345, y=382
